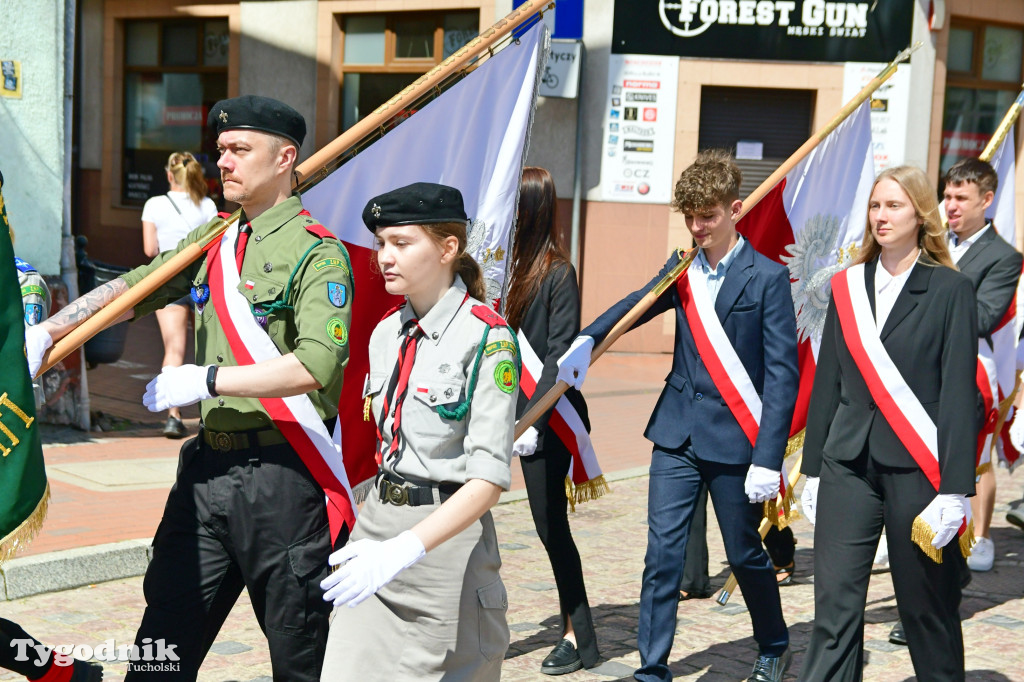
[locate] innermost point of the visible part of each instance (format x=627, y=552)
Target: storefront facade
x=758, y=72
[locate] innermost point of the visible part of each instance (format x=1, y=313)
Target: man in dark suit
x=697, y=435
x=994, y=268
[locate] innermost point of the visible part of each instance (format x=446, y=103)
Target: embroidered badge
x=445, y=368
x=249, y=284
x=200, y=295
x=261, y=316
x=505, y=376
x=337, y=332
x=268, y=267
x=330, y=263
x=495, y=346
x=448, y=393
x=30, y=289
x=33, y=314
x=337, y=294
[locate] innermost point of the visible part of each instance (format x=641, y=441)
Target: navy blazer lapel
x=736, y=280
x=977, y=247
x=916, y=284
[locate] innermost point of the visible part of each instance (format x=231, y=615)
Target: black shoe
x=563, y=659
x=174, y=428
x=1016, y=516
x=897, y=635
x=86, y=671
x=771, y=668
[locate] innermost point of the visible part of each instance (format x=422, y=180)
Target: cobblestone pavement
x=712, y=642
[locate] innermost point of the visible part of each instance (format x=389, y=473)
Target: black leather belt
x=222, y=441
x=412, y=495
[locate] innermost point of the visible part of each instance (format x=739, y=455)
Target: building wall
x=32, y=129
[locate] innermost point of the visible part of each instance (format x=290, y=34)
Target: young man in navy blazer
x=695, y=433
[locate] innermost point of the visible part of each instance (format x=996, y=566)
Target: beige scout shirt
x=432, y=448
x=283, y=262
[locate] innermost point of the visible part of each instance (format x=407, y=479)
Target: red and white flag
x=813, y=222
x=1004, y=349
x=473, y=137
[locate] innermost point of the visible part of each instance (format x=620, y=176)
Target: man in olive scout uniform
x=245, y=511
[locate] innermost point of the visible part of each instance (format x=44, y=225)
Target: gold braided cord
x=26, y=530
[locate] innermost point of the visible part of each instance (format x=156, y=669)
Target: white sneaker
x=983, y=555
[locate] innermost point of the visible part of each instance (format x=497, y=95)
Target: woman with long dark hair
x=891, y=437
x=543, y=305
x=166, y=219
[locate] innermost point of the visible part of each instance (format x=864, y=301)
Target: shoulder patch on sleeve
x=497, y=346
x=491, y=318
x=505, y=376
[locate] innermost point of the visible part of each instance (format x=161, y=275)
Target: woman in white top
x=166, y=219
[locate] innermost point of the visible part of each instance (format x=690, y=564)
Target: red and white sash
x=294, y=416
x=585, y=476
x=899, y=405
x=727, y=371
x=723, y=364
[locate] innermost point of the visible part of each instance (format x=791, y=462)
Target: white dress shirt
x=716, y=277
x=958, y=248
x=887, y=289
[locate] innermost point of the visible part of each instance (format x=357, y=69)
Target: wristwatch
x=211, y=379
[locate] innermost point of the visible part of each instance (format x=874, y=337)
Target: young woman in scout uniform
x=418, y=583
x=544, y=306
x=890, y=436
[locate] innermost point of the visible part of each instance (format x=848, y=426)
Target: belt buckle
x=394, y=494
x=221, y=441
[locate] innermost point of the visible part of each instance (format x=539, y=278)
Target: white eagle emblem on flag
x=816, y=256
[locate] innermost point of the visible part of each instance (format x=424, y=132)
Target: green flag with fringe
x=24, y=492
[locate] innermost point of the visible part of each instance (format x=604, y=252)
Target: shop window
x=382, y=54
x=174, y=72
x=984, y=67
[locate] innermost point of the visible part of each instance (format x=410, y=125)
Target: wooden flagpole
x=551, y=397
x=305, y=171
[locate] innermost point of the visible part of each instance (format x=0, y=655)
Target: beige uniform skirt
x=441, y=619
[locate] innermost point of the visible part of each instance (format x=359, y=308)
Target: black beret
x=420, y=203
x=257, y=113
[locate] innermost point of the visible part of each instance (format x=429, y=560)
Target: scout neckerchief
x=584, y=480
x=294, y=416
x=398, y=386
x=895, y=399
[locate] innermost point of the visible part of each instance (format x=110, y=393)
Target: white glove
x=761, y=484
x=809, y=499
x=371, y=565
x=176, y=387
x=1017, y=430
x=945, y=514
x=37, y=342
x=526, y=444
x=573, y=365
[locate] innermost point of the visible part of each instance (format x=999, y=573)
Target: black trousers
x=253, y=519
x=781, y=546
x=11, y=636
x=855, y=500
x=544, y=474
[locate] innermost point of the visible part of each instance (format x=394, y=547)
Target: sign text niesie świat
x=802, y=30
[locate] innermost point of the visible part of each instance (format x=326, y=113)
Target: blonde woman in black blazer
x=868, y=478
x=544, y=304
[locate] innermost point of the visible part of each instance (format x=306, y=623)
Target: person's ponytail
x=469, y=270
x=188, y=174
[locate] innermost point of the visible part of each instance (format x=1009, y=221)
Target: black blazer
x=756, y=310
x=931, y=336
x=994, y=268
x=550, y=324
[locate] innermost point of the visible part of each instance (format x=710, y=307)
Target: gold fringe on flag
x=922, y=535
x=586, y=491
x=984, y=468
x=795, y=444
x=26, y=530
x=788, y=513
